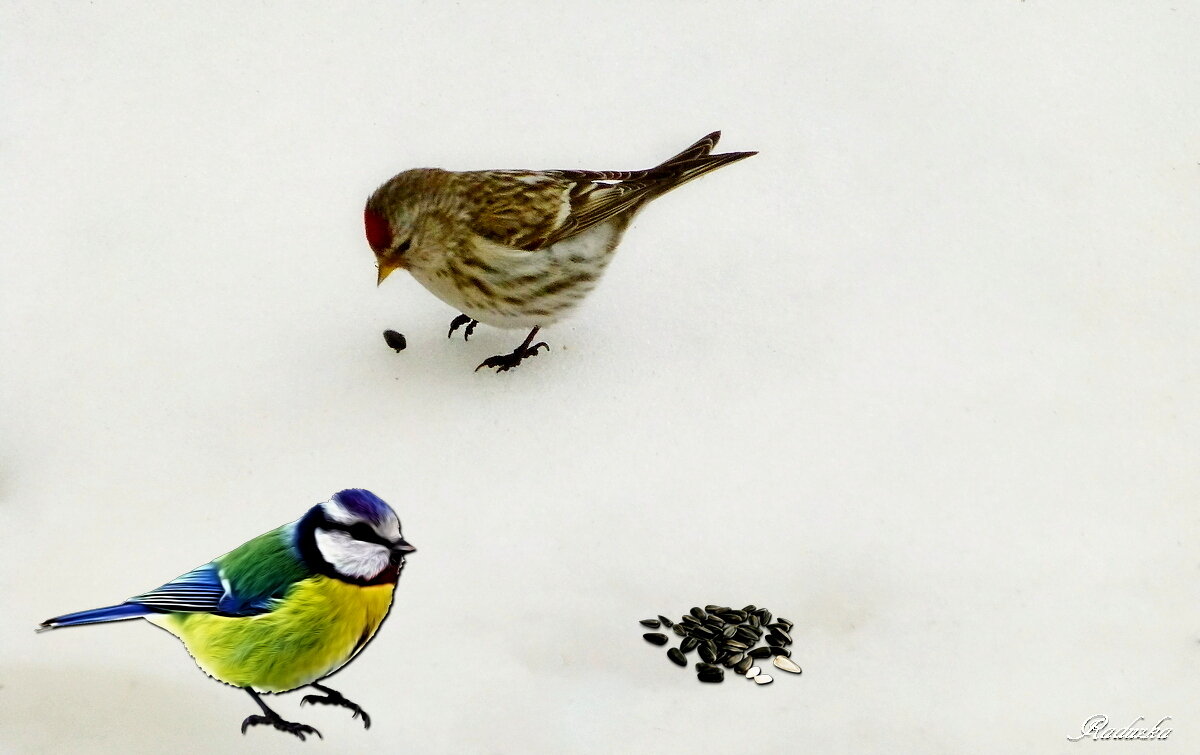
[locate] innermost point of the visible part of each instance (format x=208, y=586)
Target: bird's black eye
x=404, y=246
x=362, y=532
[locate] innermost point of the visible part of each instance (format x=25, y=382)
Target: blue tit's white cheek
x=350, y=557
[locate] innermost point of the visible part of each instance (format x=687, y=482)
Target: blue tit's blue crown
x=364, y=504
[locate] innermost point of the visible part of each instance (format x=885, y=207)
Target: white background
x=921, y=376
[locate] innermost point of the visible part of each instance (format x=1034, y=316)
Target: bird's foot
x=273, y=719
x=460, y=321
x=505, y=362
x=333, y=697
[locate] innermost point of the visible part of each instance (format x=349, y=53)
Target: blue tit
x=286, y=609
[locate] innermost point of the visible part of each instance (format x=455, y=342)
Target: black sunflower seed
x=760, y=653
x=773, y=639
x=679, y=630
x=708, y=653
x=745, y=633
x=764, y=616
x=654, y=638
x=736, y=645
x=750, y=608
x=715, y=620
x=735, y=659
x=689, y=644
x=652, y=623
x=698, y=612
x=395, y=340
x=754, y=622
x=787, y=624
x=781, y=651
x=712, y=676
x=676, y=657
x=712, y=607
x=744, y=665
x=690, y=621
x=729, y=631
x=665, y=621
x=704, y=667
x=782, y=634
x=736, y=617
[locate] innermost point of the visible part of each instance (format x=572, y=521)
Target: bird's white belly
x=514, y=288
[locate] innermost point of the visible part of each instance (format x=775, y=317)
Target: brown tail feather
x=700, y=149
x=683, y=171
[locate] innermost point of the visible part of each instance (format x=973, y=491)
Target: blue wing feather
x=198, y=591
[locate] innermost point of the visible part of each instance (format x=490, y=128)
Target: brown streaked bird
x=517, y=248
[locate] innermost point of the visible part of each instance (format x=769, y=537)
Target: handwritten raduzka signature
x=1096, y=728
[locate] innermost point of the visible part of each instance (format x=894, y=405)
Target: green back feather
x=263, y=568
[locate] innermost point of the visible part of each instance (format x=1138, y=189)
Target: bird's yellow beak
x=384, y=271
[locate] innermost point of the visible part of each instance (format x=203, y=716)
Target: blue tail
x=97, y=615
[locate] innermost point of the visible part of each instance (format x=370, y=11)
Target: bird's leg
x=333, y=697
x=504, y=362
x=460, y=321
x=274, y=719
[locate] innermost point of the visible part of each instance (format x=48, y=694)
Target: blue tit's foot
x=333, y=697
x=505, y=362
x=460, y=321
x=272, y=718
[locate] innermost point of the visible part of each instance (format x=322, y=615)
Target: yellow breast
x=319, y=626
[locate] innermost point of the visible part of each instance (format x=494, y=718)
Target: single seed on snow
x=395, y=340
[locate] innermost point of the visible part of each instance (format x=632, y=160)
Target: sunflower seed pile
x=724, y=636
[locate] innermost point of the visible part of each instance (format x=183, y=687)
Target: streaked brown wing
x=533, y=210
x=593, y=203
x=519, y=209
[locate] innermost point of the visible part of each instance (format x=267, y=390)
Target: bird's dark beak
x=403, y=547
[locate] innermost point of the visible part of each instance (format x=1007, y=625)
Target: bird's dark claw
x=460, y=321
x=290, y=727
x=332, y=697
x=506, y=362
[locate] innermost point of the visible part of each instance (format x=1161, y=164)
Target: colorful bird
x=286, y=609
x=517, y=248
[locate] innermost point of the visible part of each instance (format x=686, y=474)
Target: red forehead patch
x=379, y=233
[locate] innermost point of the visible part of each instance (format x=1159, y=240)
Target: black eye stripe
x=358, y=531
